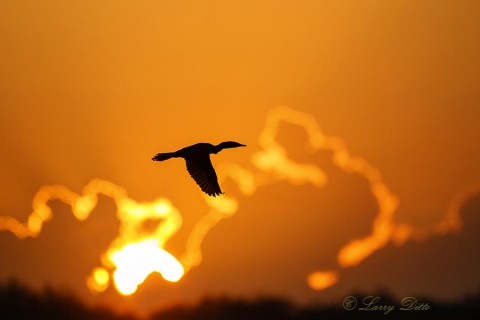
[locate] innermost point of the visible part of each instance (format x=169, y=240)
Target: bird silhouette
x=199, y=166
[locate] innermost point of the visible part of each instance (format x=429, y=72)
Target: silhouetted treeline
x=19, y=302
x=224, y=308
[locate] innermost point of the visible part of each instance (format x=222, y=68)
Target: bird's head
x=228, y=144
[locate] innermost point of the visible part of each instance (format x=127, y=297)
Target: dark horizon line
x=19, y=301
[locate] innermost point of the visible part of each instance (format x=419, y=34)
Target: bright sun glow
x=136, y=261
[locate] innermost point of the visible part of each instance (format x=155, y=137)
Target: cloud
x=442, y=267
x=291, y=219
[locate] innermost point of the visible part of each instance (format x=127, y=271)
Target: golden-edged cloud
x=136, y=251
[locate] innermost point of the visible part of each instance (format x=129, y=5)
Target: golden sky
x=93, y=89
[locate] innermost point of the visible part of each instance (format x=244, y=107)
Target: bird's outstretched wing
x=201, y=170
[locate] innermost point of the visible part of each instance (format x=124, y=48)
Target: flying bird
x=199, y=166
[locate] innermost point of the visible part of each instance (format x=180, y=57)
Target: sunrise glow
x=139, y=250
x=136, y=261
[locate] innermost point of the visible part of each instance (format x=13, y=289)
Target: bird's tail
x=163, y=156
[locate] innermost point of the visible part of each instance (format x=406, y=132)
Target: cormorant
x=199, y=166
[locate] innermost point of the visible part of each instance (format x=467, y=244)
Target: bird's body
x=197, y=158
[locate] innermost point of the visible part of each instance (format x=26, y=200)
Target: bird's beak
x=243, y=145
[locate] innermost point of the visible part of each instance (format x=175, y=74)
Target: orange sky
x=93, y=89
